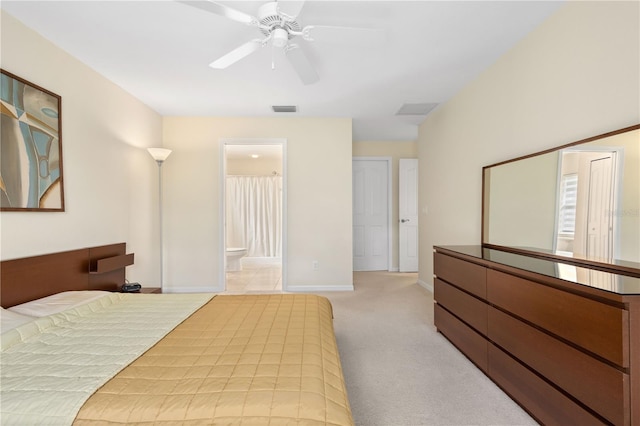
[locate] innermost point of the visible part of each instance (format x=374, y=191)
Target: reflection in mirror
x=588, y=192
x=598, y=279
x=581, y=200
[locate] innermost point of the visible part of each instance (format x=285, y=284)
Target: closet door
x=408, y=211
x=370, y=215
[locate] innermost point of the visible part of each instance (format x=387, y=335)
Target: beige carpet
x=399, y=370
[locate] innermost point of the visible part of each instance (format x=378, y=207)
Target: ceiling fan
x=280, y=29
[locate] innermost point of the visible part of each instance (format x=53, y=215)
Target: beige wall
x=575, y=76
x=318, y=174
x=522, y=197
x=109, y=178
x=396, y=150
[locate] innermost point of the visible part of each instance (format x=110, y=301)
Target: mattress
x=239, y=360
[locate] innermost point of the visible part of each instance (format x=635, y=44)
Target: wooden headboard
x=91, y=268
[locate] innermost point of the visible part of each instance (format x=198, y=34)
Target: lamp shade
x=159, y=154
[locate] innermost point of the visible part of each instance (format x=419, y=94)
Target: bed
x=114, y=358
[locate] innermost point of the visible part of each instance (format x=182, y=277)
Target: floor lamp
x=160, y=154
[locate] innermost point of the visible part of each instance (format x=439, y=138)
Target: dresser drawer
x=548, y=405
x=597, y=385
x=469, y=309
x=597, y=327
x=469, y=342
x=463, y=274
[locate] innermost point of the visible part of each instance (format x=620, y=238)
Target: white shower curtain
x=254, y=214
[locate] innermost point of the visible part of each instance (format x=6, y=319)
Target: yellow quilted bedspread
x=239, y=360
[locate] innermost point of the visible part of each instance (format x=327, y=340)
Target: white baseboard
x=293, y=289
x=428, y=286
x=318, y=288
x=394, y=269
x=207, y=289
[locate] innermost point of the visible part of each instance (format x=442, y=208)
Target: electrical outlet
x=315, y=265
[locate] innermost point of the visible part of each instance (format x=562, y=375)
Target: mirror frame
x=622, y=267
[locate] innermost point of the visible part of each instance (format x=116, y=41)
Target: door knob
x=404, y=220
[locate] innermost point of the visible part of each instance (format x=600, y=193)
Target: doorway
x=371, y=213
x=253, y=215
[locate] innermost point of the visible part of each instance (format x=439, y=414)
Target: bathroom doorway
x=253, y=201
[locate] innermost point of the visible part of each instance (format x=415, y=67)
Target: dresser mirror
x=579, y=202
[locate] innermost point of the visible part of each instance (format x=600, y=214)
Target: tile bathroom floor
x=258, y=275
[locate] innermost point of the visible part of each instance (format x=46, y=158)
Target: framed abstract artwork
x=30, y=147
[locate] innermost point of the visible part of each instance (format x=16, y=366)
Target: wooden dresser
x=562, y=341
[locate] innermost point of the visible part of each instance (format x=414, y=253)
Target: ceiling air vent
x=416, y=109
x=284, y=108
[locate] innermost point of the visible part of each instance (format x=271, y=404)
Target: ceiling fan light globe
x=280, y=37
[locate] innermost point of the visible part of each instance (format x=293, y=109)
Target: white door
x=408, y=215
x=370, y=215
x=600, y=207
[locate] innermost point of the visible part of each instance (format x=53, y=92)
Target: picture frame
x=31, y=177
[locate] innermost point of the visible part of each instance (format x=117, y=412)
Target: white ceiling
x=159, y=52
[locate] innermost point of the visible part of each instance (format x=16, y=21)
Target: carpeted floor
x=399, y=371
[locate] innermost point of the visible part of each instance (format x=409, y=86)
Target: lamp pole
x=160, y=154
x=160, y=221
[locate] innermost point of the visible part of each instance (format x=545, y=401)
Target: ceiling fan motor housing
x=276, y=25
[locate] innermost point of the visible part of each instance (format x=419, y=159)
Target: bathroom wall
x=254, y=166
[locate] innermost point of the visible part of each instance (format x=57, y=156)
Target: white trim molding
x=204, y=289
x=427, y=286
x=320, y=288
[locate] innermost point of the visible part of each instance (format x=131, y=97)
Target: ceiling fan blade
x=290, y=8
x=360, y=36
x=222, y=10
x=236, y=54
x=301, y=64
